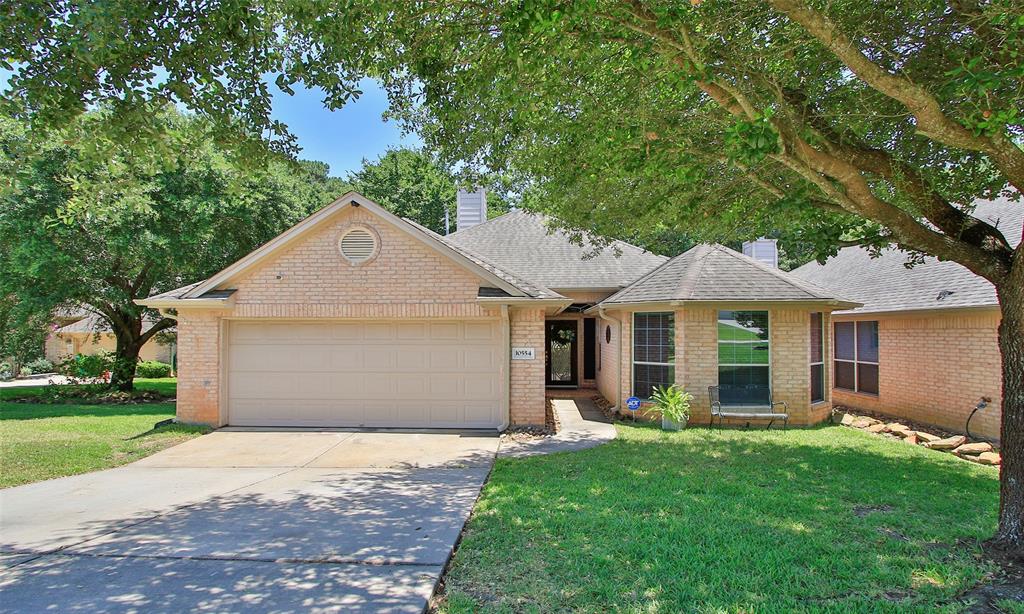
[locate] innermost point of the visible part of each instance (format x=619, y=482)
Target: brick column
x=199, y=335
x=698, y=357
x=791, y=371
x=526, y=396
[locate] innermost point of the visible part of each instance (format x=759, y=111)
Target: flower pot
x=672, y=425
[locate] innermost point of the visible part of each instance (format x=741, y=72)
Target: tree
x=78, y=230
x=414, y=184
x=846, y=121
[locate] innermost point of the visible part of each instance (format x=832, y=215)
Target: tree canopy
x=78, y=230
x=413, y=183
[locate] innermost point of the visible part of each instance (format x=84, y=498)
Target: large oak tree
x=843, y=121
x=79, y=230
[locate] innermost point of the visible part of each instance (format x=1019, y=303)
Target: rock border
x=981, y=452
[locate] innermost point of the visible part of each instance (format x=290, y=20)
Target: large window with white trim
x=817, y=336
x=856, y=356
x=654, y=352
x=744, y=371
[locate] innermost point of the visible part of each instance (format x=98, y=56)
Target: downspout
x=506, y=334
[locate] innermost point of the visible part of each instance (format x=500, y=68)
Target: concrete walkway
x=582, y=426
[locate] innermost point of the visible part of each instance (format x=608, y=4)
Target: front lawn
x=727, y=521
x=164, y=386
x=38, y=442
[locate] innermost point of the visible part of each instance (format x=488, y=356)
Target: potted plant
x=673, y=403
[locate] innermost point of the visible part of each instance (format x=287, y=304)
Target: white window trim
x=632, y=349
x=771, y=382
x=821, y=363
x=856, y=358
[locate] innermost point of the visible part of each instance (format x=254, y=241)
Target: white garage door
x=409, y=374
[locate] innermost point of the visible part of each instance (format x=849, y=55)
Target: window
x=743, y=358
x=856, y=356
x=817, y=358
x=654, y=352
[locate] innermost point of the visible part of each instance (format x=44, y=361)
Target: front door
x=560, y=341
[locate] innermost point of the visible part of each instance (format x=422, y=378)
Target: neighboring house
x=355, y=317
x=88, y=333
x=924, y=345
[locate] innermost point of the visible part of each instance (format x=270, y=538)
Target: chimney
x=763, y=250
x=470, y=208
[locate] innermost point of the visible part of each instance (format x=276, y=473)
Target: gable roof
x=712, y=272
x=523, y=243
x=885, y=284
x=206, y=293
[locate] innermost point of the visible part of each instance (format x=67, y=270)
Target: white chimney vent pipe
x=470, y=208
x=763, y=250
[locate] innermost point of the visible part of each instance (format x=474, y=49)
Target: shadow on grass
x=184, y=429
x=726, y=521
x=31, y=411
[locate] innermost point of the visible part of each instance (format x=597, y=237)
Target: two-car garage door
x=407, y=374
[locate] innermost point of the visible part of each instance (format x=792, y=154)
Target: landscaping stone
x=877, y=428
x=989, y=458
x=848, y=420
x=949, y=443
x=900, y=429
x=927, y=437
x=973, y=448
x=911, y=438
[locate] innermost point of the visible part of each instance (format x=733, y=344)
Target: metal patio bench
x=768, y=412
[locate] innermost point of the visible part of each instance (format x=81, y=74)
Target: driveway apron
x=247, y=520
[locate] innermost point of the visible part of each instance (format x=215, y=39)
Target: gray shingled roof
x=531, y=288
x=94, y=323
x=522, y=243
x=885, y=284
x=711, y=272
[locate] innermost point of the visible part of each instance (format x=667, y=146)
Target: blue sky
x=344, y=137
x=340, y=138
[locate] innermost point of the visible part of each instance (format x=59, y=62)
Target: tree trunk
x=1010, y=535
x=126, y=358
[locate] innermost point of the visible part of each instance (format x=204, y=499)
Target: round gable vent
x=358, y=245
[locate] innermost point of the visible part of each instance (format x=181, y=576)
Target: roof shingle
x=522, y=243
x=885, y=284
x=711, y=272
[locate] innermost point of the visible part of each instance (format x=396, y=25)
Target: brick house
x=87, y=333
x=355, y=317
x=924, y=344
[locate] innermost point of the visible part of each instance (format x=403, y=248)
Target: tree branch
x=931, y=120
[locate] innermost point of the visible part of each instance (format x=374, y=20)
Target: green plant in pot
x=673, y=403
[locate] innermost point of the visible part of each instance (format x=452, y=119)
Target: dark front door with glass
x=560, y=339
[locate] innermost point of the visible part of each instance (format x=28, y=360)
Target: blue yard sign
x=633, y=403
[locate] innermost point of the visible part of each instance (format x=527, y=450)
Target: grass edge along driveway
x=823, y=519
x=43, y=441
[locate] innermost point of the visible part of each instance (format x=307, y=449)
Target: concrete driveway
x=247, y=521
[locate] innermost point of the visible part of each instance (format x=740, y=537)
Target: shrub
x=6, y=371
x=153, y=368
x=87, y=366
x=37, y=366
x=673, y=402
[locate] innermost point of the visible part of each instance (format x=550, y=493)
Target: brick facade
x=56, y=348
x=310, y=279
x=696, y=366
x=526, y=397
x=199, y=368
x=933, y=368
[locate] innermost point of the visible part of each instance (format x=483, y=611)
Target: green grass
x=166, y=386
x=39, y=442
x=825, y=519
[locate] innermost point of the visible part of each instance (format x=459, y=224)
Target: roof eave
x=187, y=303
x=835, y=304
